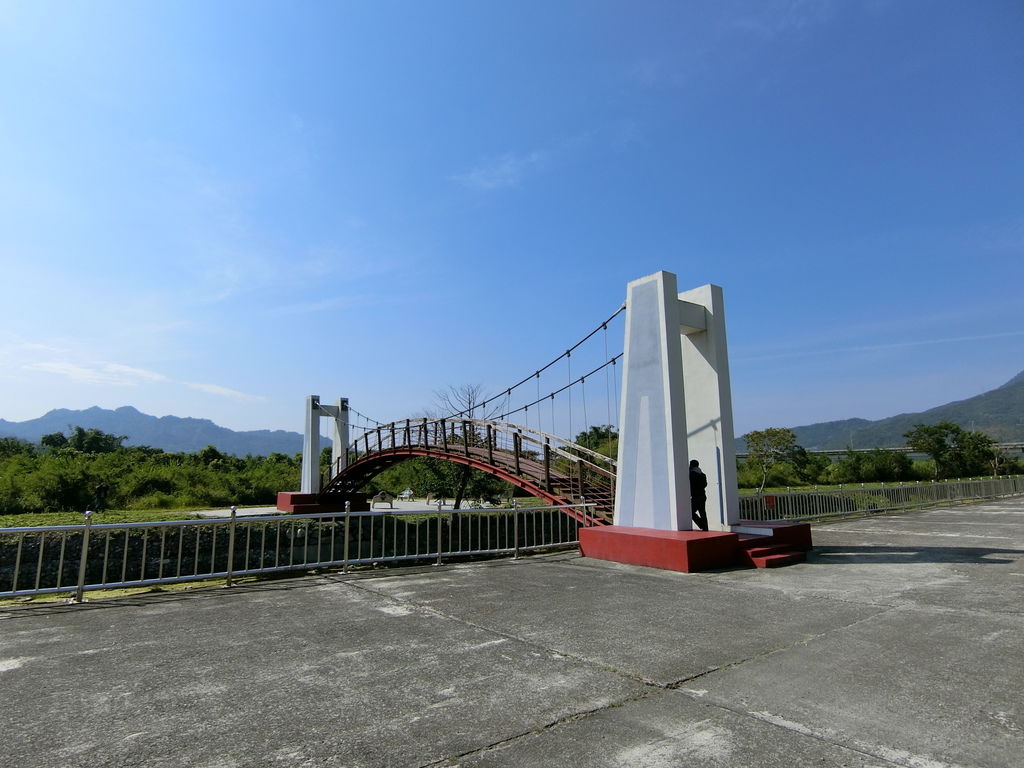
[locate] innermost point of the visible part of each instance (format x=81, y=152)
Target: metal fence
x=805, y=504
x=79, y=558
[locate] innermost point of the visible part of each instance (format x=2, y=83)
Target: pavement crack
x=871, y=751
x=447, y=761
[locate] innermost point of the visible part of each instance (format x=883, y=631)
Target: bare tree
x=465, y=401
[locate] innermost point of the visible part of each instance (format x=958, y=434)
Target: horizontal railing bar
x=304, y=542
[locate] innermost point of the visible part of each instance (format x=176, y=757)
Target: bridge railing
x=549, y=459
x=80, y=558
x=807, y=504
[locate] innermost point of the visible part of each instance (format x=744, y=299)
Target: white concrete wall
x=676, y=404
x=705, y=371
x=653, y=485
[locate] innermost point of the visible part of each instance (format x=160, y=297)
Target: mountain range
x=998, y=413
x=171, y=433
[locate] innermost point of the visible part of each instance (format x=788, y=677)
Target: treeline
x=91, y=469
x=775, y=460
x=439, y=477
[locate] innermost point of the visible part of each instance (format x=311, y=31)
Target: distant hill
x=171, y=433
x=999, y=414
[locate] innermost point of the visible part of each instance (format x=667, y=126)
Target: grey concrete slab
x=665, y=730
x=923, y=687
x=308, y=674
x=899, y=643
x=658, y=626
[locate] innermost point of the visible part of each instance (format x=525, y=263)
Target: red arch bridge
x=544, y=465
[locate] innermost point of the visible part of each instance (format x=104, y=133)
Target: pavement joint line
x=789, y=727
x=515, y=638
x=446, y=761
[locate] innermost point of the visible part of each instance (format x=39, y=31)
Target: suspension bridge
x=664, y=389
x=515, y=442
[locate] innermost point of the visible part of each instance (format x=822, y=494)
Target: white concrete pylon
x=311, y=440
x=311, y=447
x=676, y=404
x=710, y=437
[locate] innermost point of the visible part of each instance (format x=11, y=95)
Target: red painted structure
x=690, y=551
x=560, y=473
x=532, y=477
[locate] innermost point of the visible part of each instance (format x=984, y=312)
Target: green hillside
x=999, y=414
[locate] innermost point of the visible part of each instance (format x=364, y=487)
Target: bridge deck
x=899, y=642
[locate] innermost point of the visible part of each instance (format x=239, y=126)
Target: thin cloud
x=772, y=19
x=112, y=374
x=216, y=389
x=336, y=302
x=127, y=370
x=499, y=172
x=876, y=347
x=118, y=375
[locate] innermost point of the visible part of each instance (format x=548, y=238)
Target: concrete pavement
x=899, y=643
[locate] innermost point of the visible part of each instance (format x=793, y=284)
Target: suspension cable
x=551, y=395
x=539, y=371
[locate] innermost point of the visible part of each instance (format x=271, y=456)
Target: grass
x=855, y=486
x=33, y=519
x=104, y=594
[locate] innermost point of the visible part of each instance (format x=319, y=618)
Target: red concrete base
x=796, y=535
x=774, y=544
x=686, y=551
x=308, y=503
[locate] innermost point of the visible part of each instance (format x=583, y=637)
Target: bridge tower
x=338, y=414
x=676, y=405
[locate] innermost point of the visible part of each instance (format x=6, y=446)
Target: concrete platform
x=900, y=642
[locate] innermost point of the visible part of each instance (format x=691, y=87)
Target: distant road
x=1003, y=447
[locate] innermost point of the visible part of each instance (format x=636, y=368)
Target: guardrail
x=806, y=504
x=80, y=558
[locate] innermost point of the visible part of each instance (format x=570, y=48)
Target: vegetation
x=603, y=439
x=954, y=451
x=90, y=469
x=768, y=447
x=442, y=478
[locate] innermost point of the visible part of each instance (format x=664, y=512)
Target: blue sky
x=215, y=209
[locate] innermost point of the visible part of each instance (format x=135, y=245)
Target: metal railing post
x=231, y=545
x=84, y=559
x=439, y=504
x=515, y=529
x=344, y=554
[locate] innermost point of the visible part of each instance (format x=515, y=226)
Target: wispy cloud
x=875, y=347
x=216, y=389
x=119, y=375
x=112, y=374
x=768, y=19
x=499, y=172
x=336, y=302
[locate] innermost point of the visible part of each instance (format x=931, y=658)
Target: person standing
x=698, y=495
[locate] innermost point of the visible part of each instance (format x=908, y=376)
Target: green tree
x=54, y=441
x=604, y=439
x=12, y=446
x=768, y=447
x=94, y=440
x=954, y=451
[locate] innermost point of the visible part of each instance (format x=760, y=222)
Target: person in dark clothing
x=698, y=495
x=99, y=499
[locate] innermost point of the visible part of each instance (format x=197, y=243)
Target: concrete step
x=764, y=552
x=779, y=559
